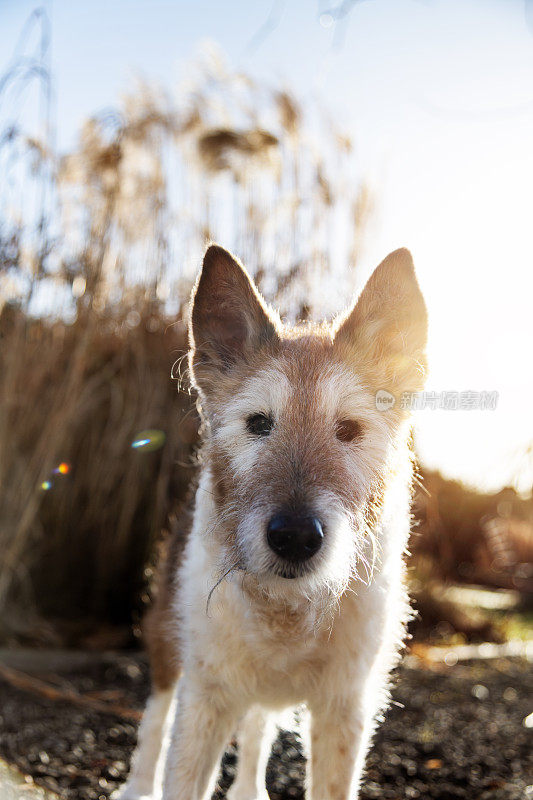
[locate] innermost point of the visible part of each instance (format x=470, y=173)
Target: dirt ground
x=451, y=732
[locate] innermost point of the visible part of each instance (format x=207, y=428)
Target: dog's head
x=298, y=446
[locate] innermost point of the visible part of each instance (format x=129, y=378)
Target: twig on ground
x=29, y=683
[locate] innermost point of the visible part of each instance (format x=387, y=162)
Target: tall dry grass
x=79, y=394
x=94, y=280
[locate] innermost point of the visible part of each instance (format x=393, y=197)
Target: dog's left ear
x=229, y=320
x=385, y=333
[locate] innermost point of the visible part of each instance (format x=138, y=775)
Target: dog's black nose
x=294, y=538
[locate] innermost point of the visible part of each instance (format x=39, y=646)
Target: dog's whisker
x=217, y=584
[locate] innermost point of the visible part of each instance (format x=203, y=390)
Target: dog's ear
x=229, y=320
x=385, y=333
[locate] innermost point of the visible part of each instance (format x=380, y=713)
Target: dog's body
x=303, y=510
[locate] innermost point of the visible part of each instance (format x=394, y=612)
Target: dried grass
x=79, y=394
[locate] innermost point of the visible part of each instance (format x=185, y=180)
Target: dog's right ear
x=386, y=331
x=229, y=320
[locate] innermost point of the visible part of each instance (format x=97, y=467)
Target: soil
x=451, y=732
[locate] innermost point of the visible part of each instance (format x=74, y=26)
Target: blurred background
x=311, y=138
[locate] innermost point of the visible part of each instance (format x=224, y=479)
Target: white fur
x=255, y=739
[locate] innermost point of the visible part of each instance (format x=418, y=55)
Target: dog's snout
x=294, y=538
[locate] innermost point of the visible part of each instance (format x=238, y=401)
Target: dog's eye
x=259, y=424
x=348, y=429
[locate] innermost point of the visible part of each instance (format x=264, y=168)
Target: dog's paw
x=236, y=793
x=127, y=792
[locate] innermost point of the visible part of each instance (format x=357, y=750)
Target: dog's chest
x=276, y=653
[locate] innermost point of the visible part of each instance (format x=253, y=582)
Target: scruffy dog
x=301, y=521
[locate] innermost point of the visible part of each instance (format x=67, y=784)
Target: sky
x=438, y=95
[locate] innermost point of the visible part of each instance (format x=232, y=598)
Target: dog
x=288, y=588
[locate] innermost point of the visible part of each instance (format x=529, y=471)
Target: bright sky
x=439, y=97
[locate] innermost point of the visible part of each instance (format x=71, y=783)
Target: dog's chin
x=285, y=577
x=294, y=579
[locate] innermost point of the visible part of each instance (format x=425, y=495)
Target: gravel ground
x=452, y=732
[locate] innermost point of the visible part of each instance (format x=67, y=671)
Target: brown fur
x=160, y=622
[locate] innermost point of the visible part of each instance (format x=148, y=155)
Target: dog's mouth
x=288, y=574
x=291, y=571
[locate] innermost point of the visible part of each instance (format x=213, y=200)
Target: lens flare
x=149, y=440
x=46, y=485
x=62, y=469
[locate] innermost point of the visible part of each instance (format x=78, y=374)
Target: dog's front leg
x=204, y=721
x=340, y=732
x=254, y=737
